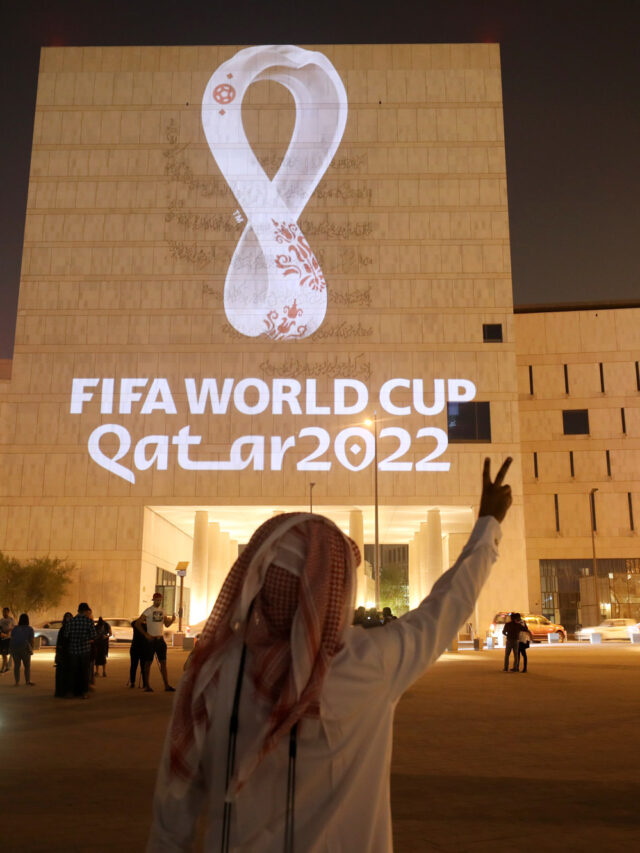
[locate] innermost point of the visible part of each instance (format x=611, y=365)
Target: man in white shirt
x=151, y=624
x=285, y=714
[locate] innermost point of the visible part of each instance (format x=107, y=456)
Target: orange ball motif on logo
x=224, y=93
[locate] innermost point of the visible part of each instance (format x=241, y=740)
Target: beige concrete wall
x=163, y=546
x=582, y=340
x=129, y=232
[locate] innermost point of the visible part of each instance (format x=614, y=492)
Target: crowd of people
x=82, y=648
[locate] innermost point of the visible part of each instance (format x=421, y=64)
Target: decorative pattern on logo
x=300, y=261
x=273, y=264
x=283, y=326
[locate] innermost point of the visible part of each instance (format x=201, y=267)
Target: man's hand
x=496, y=498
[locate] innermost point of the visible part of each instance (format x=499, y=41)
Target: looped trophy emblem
x=274, y=283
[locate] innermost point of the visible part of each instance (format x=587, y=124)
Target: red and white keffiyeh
x=299, y=571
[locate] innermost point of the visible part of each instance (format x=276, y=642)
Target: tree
x=34, y=584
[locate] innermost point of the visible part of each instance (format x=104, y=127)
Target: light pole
x=376, y=546
x=592, y=504
x=311, y=485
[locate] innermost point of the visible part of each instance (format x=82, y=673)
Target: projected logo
x=274, y=283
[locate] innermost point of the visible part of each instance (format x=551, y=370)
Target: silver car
x=48, y=632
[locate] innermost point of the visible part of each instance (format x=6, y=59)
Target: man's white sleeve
x=410, y=644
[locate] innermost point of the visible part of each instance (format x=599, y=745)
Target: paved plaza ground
x=483, y=760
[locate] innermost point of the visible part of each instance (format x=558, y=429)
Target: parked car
x=121, y=630
x=48, y=632
x=610, y=629
x=539, y=626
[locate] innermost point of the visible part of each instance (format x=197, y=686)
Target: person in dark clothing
x=80, y=632
x=137, y=653
x=101, y=645
x=523, y=644
x=21, y=649
x=387, y=615
x=360, y=616
x=511, y=631
x=63, y=662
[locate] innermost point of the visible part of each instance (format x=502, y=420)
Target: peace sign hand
x=496, y=498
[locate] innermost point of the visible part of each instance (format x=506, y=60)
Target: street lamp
x=592, y=504
x=376, y=547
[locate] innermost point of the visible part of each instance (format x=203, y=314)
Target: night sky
x=571, y=85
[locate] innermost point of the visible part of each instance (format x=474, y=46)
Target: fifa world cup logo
x=274, y=284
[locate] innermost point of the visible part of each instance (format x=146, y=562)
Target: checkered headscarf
x=298, y=571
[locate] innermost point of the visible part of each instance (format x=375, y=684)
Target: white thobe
x=342, y=801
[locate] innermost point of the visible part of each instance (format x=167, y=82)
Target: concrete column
x=216, y=568
x=199, y=566
x=356, y=532
x=225, y=561
x=414, y=573
x=423, y=559
x=434, y=547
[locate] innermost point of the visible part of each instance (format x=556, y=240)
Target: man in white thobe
x=335, y=688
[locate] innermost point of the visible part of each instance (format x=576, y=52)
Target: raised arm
x=410, y=644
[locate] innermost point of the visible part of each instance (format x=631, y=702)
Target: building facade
x=245, y=289
x=579, y=382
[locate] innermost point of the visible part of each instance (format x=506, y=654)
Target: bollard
x=490, y=643
x=177, y=640
x=188, y=643
x=596, y=638
x=477, y=644
x=37, y=643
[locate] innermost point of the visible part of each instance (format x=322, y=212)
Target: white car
x=610, y=629
x=121, y=630
x=48, y=632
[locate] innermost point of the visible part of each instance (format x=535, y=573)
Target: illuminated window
x=575, y=421
x=469, y=422
x=492, y=333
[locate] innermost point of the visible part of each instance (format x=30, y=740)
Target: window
x=601, y=377
x=571, y=468
x=492, y=333
x=638, y=375
x=557, y=511
x=623, y=420
x=469, y=422
x=531, y=379
x=535, y=465
x=566, y=378
x=630, y=502
x=608, y=455
x=575, y=421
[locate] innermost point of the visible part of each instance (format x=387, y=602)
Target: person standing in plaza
x=21, y=646
x=152, y=623
x=511, y=631
x=101, y=646
x=80, y=633
x=284, y=716
x=62, y=661
x=524, y=639
x=138, y=653
x=7, y=624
